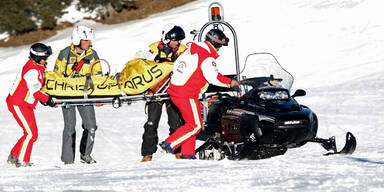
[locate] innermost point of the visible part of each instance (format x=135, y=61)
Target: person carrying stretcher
x=192, y=72
x=76, y=60
x=22, y=100
x=166, y=50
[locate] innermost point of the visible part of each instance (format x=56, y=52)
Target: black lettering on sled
x=66, y=85
x=128, y=84
x=80, y=87
x=148, y=81
x=111, y=85
x=59, y=85
x=102, y=87
x=47, y=84
x=155, y=70
x=139, y=82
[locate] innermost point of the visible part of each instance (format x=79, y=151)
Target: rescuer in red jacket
x=192, y=72
x=22, y=99
x=166, y=50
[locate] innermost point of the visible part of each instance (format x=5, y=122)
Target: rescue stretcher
x=139, y=80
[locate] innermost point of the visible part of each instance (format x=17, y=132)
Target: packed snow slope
x=334, y=49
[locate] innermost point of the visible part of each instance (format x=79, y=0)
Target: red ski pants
x=25, y=117
x=185, y=136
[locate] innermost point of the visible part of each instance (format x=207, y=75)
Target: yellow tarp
x=137, y=77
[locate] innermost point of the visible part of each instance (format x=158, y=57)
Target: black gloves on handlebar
x=235, y=85
x=236, y=88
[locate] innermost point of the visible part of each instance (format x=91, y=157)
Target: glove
x=235, y=85
x=50, y=102
x=158, y=59
x=275, y=83
x=237, y=88
x=78, y=65
x=145, y=55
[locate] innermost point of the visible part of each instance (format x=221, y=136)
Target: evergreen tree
x=16, y=16
x=116, y=5
x=47, y=11
x=21, y=16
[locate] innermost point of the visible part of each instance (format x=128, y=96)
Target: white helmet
x=81, y=32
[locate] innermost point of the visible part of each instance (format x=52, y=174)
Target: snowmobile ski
x=330, y=144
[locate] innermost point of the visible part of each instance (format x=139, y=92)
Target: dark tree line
x=22, y=16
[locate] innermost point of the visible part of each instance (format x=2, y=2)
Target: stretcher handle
x=89, y=82
x=109, y=68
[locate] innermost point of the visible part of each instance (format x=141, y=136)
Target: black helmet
x=172, y=32
x=39, y=51
x=217, y=38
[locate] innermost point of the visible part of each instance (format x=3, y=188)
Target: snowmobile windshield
x=263, y=70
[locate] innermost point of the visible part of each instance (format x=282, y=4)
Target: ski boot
x=190, y=157
x=87, y=159
x=24, y=164
x=12, y=159
x=146, y=158
x=177, y=155
x=165, y=146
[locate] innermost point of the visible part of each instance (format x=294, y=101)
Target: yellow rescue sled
x=137, y=78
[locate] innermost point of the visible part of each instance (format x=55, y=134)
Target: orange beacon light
x=215, y=13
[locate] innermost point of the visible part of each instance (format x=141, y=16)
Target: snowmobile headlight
x=273, y=95
x=293, y=122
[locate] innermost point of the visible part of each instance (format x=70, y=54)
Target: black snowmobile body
x=264, y=122
x=256, y=128
x=282, y=121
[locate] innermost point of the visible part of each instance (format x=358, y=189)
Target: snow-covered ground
x=334, y=49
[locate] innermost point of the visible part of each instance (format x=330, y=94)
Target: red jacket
x=194, y=69
x=26, y=88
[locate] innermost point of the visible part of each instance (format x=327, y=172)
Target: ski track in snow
x=334, y=49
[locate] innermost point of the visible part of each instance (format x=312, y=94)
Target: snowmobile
x=265, y=121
